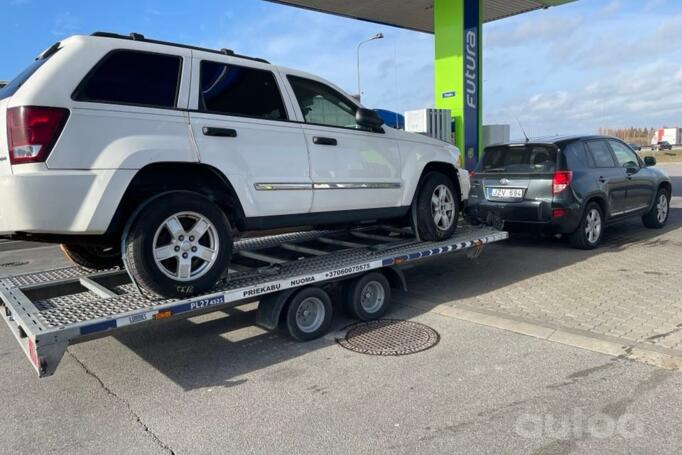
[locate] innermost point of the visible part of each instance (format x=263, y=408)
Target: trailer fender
x=270, y=309
x=396, y=278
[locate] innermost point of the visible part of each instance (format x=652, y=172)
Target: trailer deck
x=47, y=311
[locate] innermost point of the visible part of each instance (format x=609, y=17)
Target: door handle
x=324, y=141
x=602, y=179
x=219, y=132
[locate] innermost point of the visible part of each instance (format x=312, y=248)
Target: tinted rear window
x=601, y=155
x=523, y=159
x=576, y=156
x=241, y=91
x=134, y=78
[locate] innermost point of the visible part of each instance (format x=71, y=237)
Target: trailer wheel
x=309, y=314
x=368, y=297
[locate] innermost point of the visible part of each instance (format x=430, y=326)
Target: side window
x=131, y=77
x=601, y=154
x=241, y=91
x=624, y=155
x=576, y=156
x=323, y=105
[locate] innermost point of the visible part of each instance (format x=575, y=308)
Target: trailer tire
x=437, y=208
x=170, y=253
x=367, y=298
x=309, y=314
x=92, y=257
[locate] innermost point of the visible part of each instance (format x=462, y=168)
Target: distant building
x=672, y=135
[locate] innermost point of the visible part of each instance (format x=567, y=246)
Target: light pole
x=375, y=37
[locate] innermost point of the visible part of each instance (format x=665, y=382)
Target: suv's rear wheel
x=437, y=208
x=180, y=245
x=93, y=257
x=658, y=215
x=591, y=228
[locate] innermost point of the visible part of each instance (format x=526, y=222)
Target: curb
x=633, y=351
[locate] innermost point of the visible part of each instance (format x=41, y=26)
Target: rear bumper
x=526, y=215
x=60, y=202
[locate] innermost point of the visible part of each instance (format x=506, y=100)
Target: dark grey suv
x=568, y=185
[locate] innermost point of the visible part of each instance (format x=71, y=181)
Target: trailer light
x=33, y=353
x=163, y=315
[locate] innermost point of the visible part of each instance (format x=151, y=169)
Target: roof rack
x=140, y=37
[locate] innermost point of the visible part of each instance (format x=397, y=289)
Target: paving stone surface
x=629, y=289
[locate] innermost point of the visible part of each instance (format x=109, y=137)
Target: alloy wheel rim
x=372, y=297
x=662, y=208
x=593, y=226
x=443, y=207
x=186, y=246
x=310, y=315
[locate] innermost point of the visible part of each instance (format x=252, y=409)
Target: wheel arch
x=444, y=168
x=600, y=200
x=163, y=177
x=668, y=187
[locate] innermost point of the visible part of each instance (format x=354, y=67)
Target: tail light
x=561, y=181
x=472, y=174
x=32, y=132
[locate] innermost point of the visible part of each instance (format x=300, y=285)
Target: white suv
x=111, y=142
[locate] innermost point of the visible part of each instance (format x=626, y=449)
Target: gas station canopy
x=415, y=14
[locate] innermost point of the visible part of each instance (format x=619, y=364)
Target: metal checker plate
x=77, y=312
x=67, y=273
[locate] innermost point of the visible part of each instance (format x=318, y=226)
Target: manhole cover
x=389, y=337
x=14, y=264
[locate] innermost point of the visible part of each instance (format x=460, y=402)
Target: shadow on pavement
x=220, y=349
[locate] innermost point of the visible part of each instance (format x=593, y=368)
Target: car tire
x=658, y=215
x=368, y=297
x=437, y=208
x=309, y=314
x=590, y=231
x=180, y=246
x=93, y=257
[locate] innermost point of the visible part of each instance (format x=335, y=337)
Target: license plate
x=507, y=193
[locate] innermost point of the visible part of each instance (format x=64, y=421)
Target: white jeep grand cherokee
x=111, y=142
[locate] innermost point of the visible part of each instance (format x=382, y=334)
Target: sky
x=570, y=69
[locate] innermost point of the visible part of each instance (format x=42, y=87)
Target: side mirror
x=367, y=118
x=650, y=160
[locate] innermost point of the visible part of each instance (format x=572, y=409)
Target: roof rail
x=140, y=37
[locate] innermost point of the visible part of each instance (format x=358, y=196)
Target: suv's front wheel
x=437, y=208
x=180, y=245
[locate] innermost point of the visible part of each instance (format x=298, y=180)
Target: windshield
x=16, y=83
x=523, y=159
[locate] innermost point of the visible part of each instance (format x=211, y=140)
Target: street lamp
x=375, y=37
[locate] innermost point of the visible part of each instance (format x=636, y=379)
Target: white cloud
x=65, y=24
x=611, y=8
x=652, y=5
x=544, y=28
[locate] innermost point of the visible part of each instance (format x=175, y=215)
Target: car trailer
x=290, y=275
